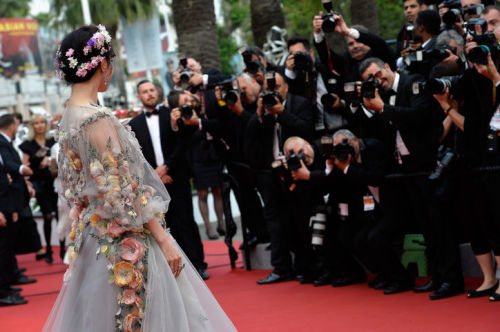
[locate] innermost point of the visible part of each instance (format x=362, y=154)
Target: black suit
x=7, y=258
x=296, y=120
x=407, y=201
x=306, y=84
x=179, y=217
x=12, y=164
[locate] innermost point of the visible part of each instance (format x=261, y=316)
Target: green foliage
x=43, y=19
x=299, y=16
x=106, y=12
x=14, y=8
x=227, y=49
x=390, y=18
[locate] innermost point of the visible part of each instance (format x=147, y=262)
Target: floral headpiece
x=101, y=40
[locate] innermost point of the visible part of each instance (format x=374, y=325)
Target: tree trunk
x=265, y=14
x=118, y=62
x=196, y=31
x=364, y=12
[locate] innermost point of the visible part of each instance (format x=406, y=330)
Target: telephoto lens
x=318, y=229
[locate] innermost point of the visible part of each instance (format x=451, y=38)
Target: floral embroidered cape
x=102, y=176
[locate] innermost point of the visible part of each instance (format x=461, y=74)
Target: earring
x=105, y=80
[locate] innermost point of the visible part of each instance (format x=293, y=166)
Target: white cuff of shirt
x=353, y=33
x=200, y=126
x=290, y=74
x=21, y=169
x=497, y=83
x=346, y=168
x=205, y=80
x=318, y=37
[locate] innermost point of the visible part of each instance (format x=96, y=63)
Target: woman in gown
x=126, y=273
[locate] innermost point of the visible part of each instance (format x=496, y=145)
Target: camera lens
x=329, y=23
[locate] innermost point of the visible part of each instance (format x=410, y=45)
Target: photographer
x=426, y=28
x=308, y=77
x=412, y=129
x=355, y=170
x=189, y=76
x=477, y=91
x=240, y=105
x=451, y=50
x=197, y=120
x=411, y=9
x=492, y=16
x=471, y=9
x=256, y=63
x=362, y=44
x=279, y=116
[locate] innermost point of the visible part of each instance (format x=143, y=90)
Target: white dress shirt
x=153, y=123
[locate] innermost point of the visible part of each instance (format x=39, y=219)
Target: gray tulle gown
x=119, y=279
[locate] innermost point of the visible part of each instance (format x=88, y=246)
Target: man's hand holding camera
x=237, y=107
x=302, y=173
x=375, y=104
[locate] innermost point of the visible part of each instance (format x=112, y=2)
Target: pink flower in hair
x=89, y=66
x=70, y=52
x=87, y=49
x=81, y=72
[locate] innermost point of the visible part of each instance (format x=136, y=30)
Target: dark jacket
x=296, y=120
x=11, y=165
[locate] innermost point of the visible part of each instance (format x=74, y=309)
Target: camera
x=351, y=91
x=437, y=86
x=186, y=111
x=327, y=147
x=474, y=10
x=317, y=222
x=293, y=160
x=451, y=17
x=368, y=87
x=408, y=35
x=328, y=99
x=268, y=98
x=439, y=54
x=329, y=22
x=302, y=61
x=452, y=4
x=342, y=150
x=252, y=66
x=447, y=157
x=185, y=76
x=487, y=41
x=229, y=90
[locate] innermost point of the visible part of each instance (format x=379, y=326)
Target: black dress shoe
x=378, y=283
x=304, y=279
x=23, y=280
x=212, y=237
x=324, y=279
x=12, y=299
x=397, y=287
x=274, y=278
x=48, y=258
x=251, y=242
x=432, y=285
x=494, y=297
x=20, y=270
x=15, y=289
x=474, y=293
x=347, y=280
x=40, y=256
x=203, y=274
x=446, y=290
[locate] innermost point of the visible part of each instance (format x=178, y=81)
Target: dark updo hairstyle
x=77, y=40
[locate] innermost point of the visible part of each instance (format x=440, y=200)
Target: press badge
x=344, y=209
x=369, y=203
x=420, y=55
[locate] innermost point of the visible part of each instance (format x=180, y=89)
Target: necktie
x=155, y=112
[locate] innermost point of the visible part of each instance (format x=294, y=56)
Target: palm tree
x=14, y=8
x=108, y=13
x=364, y=12
x=265, y=14
x=196, y=31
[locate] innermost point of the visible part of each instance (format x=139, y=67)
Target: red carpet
x=283, y=307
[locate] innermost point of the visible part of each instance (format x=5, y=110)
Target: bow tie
x=155, y=112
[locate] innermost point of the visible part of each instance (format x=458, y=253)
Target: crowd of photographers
x=337, y=155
